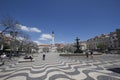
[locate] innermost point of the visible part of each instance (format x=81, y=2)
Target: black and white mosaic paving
x=64, y=68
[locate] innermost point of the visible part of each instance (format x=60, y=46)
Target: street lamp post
x=13, y=34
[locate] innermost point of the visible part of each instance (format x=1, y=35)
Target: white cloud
x=20, y=38
x=24, y=28
x=8, y=35
x=61, y=42
x=45, y=37
x=37, y=42
x=29, y=29
x=35, y=30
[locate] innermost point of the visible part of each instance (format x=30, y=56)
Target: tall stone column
x=53, y=41
x=53, y=48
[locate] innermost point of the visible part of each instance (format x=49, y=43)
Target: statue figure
x=78, y=50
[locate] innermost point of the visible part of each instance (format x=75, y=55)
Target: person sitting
x=28, y=57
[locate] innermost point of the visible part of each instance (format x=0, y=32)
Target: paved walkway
x=56, y=67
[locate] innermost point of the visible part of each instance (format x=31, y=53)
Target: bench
x=25, y=60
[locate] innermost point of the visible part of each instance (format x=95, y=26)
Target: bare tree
x=10, y=25
x=69, y=48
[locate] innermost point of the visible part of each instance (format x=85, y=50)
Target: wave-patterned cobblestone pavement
x=63, y=68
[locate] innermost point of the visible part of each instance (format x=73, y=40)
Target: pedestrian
x=44, y=56
x=91, y=53
x=31, y=58
x=87, y=55
x=3, y=56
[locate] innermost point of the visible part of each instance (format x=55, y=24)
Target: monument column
x=53, y=39
x=53, y=48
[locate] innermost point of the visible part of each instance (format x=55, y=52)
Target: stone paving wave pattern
x=65, y=69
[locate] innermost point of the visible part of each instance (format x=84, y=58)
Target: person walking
x=31, y=58
x=87, y=55
x=44, y=56
x=3, y=56
x=91, y=53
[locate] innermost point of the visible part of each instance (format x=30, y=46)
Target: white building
x=103, y=39
x=83, y=45
x=113, y=40
x=44, y=47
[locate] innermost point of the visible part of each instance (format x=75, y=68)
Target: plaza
x=60, y=40
x=56, y=67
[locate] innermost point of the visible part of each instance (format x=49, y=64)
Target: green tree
x=102, y=47
x=6, y=46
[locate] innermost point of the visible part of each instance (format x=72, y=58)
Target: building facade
x=44, y=48
x=98, y=41
x=118, y=37
x=111, y=40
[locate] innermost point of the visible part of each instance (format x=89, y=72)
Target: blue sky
x=67, y=18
